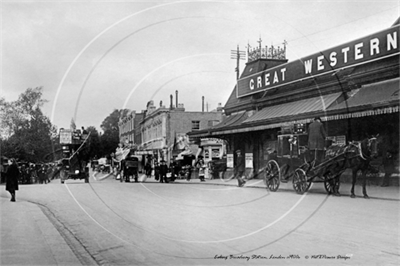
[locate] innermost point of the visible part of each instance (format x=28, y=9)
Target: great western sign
x=374, y=47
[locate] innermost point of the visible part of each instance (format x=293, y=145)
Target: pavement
x=41, y=243
x=28, y=237
x=374, y=192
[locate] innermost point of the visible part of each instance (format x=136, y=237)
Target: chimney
x=171, y=100
x=202, y=104
x=160, y=103
x=176, y=98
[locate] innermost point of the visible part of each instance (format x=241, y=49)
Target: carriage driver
x=316, y=140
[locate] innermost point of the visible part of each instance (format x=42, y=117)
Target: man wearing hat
x=316, y=140
x=240, y=168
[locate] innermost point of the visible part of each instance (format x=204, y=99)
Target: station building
x=353, y=87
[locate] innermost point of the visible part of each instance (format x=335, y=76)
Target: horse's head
x=368, y=148
x=373, y=146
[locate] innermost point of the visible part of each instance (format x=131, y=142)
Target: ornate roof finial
x=259, y=42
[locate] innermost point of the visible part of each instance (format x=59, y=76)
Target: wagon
x=292, y=160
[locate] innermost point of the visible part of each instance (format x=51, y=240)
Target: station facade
x=353, y=87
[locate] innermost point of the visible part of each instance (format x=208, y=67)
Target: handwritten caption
x=282, y=257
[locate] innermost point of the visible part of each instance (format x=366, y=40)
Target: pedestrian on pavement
x=156, y=171
x=163, y=172
x=188, y=172
x=388, y=166
x=316, y=140
x=200, y=165
x=12, y=177
x=3, y=163
x=147, y=169
x=240, y=168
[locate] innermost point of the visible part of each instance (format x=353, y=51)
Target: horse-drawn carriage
x=72, y=166
x=130, y=167
x=293, y=160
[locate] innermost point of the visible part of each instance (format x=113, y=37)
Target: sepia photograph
x=195, y=132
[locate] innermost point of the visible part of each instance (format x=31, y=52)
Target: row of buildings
x=353, y=87
x=162, y=131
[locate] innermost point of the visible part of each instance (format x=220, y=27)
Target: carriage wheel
x=332, y=185
x=272, y=175
x=300, y=183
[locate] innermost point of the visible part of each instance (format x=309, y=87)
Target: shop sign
x=337, y=140
x=249, y=160
x=211, y=141
x=374, y=47
x=229, y=160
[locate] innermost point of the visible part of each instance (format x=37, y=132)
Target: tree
x=110, y=137
x=27, y=134
x=94, y=144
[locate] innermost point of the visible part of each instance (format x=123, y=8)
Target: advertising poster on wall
x=229, y=160
x=249, y=160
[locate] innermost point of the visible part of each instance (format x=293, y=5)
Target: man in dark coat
x=148, y=169
x=163, y=172
x=240, y=168
x=316, y=140
x=156, y=171
x=12, y=177
x=388, y=162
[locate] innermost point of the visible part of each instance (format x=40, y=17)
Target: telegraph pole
x=238, y=55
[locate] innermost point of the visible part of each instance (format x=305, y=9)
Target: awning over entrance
x=301, y=111
x=372, y=99
x=311, y=105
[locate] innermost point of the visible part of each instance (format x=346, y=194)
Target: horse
x=356, y=155
x=362, y=152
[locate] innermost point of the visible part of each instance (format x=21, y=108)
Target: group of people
x=161, y=171
x=30, y=173
x=164, y=173
x=37, y=173
x=185, y=171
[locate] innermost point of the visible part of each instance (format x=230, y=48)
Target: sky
x=91, y=57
